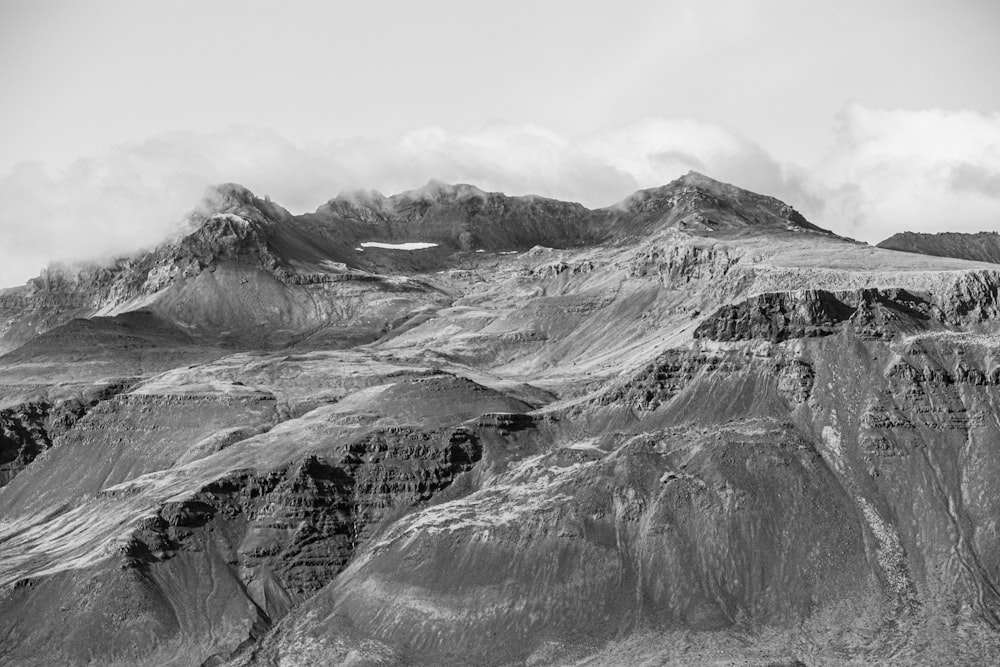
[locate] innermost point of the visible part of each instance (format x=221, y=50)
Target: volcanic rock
x=690, y=428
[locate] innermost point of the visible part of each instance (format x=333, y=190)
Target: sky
x=869, y=116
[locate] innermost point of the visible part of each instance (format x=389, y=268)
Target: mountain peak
x=361, y=197
x=234, y=191
x=238, y=200
x=693, y=177
x=699, y=203
x=439, y=191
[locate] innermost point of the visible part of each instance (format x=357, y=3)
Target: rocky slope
x=692, y=429
x=981, y=247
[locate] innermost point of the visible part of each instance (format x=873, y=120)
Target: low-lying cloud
x=886, y=171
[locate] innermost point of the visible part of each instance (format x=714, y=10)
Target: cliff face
x=23, y=437
x=732, y=440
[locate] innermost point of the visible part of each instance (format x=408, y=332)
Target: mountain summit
x=699, y=204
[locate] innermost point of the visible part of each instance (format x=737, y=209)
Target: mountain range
x=453, y=427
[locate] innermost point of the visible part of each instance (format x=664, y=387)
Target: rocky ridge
x=981, y=247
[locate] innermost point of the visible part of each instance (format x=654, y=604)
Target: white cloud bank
x=896, y=170
x=886, y=171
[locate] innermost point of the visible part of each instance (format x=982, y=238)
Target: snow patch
x=398, y=246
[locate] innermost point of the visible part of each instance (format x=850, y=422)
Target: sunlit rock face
x=450, y=427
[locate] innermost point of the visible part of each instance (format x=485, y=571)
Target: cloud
x=886, y=171
x=975, y=178
x=135, y=195
x=918, y=170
